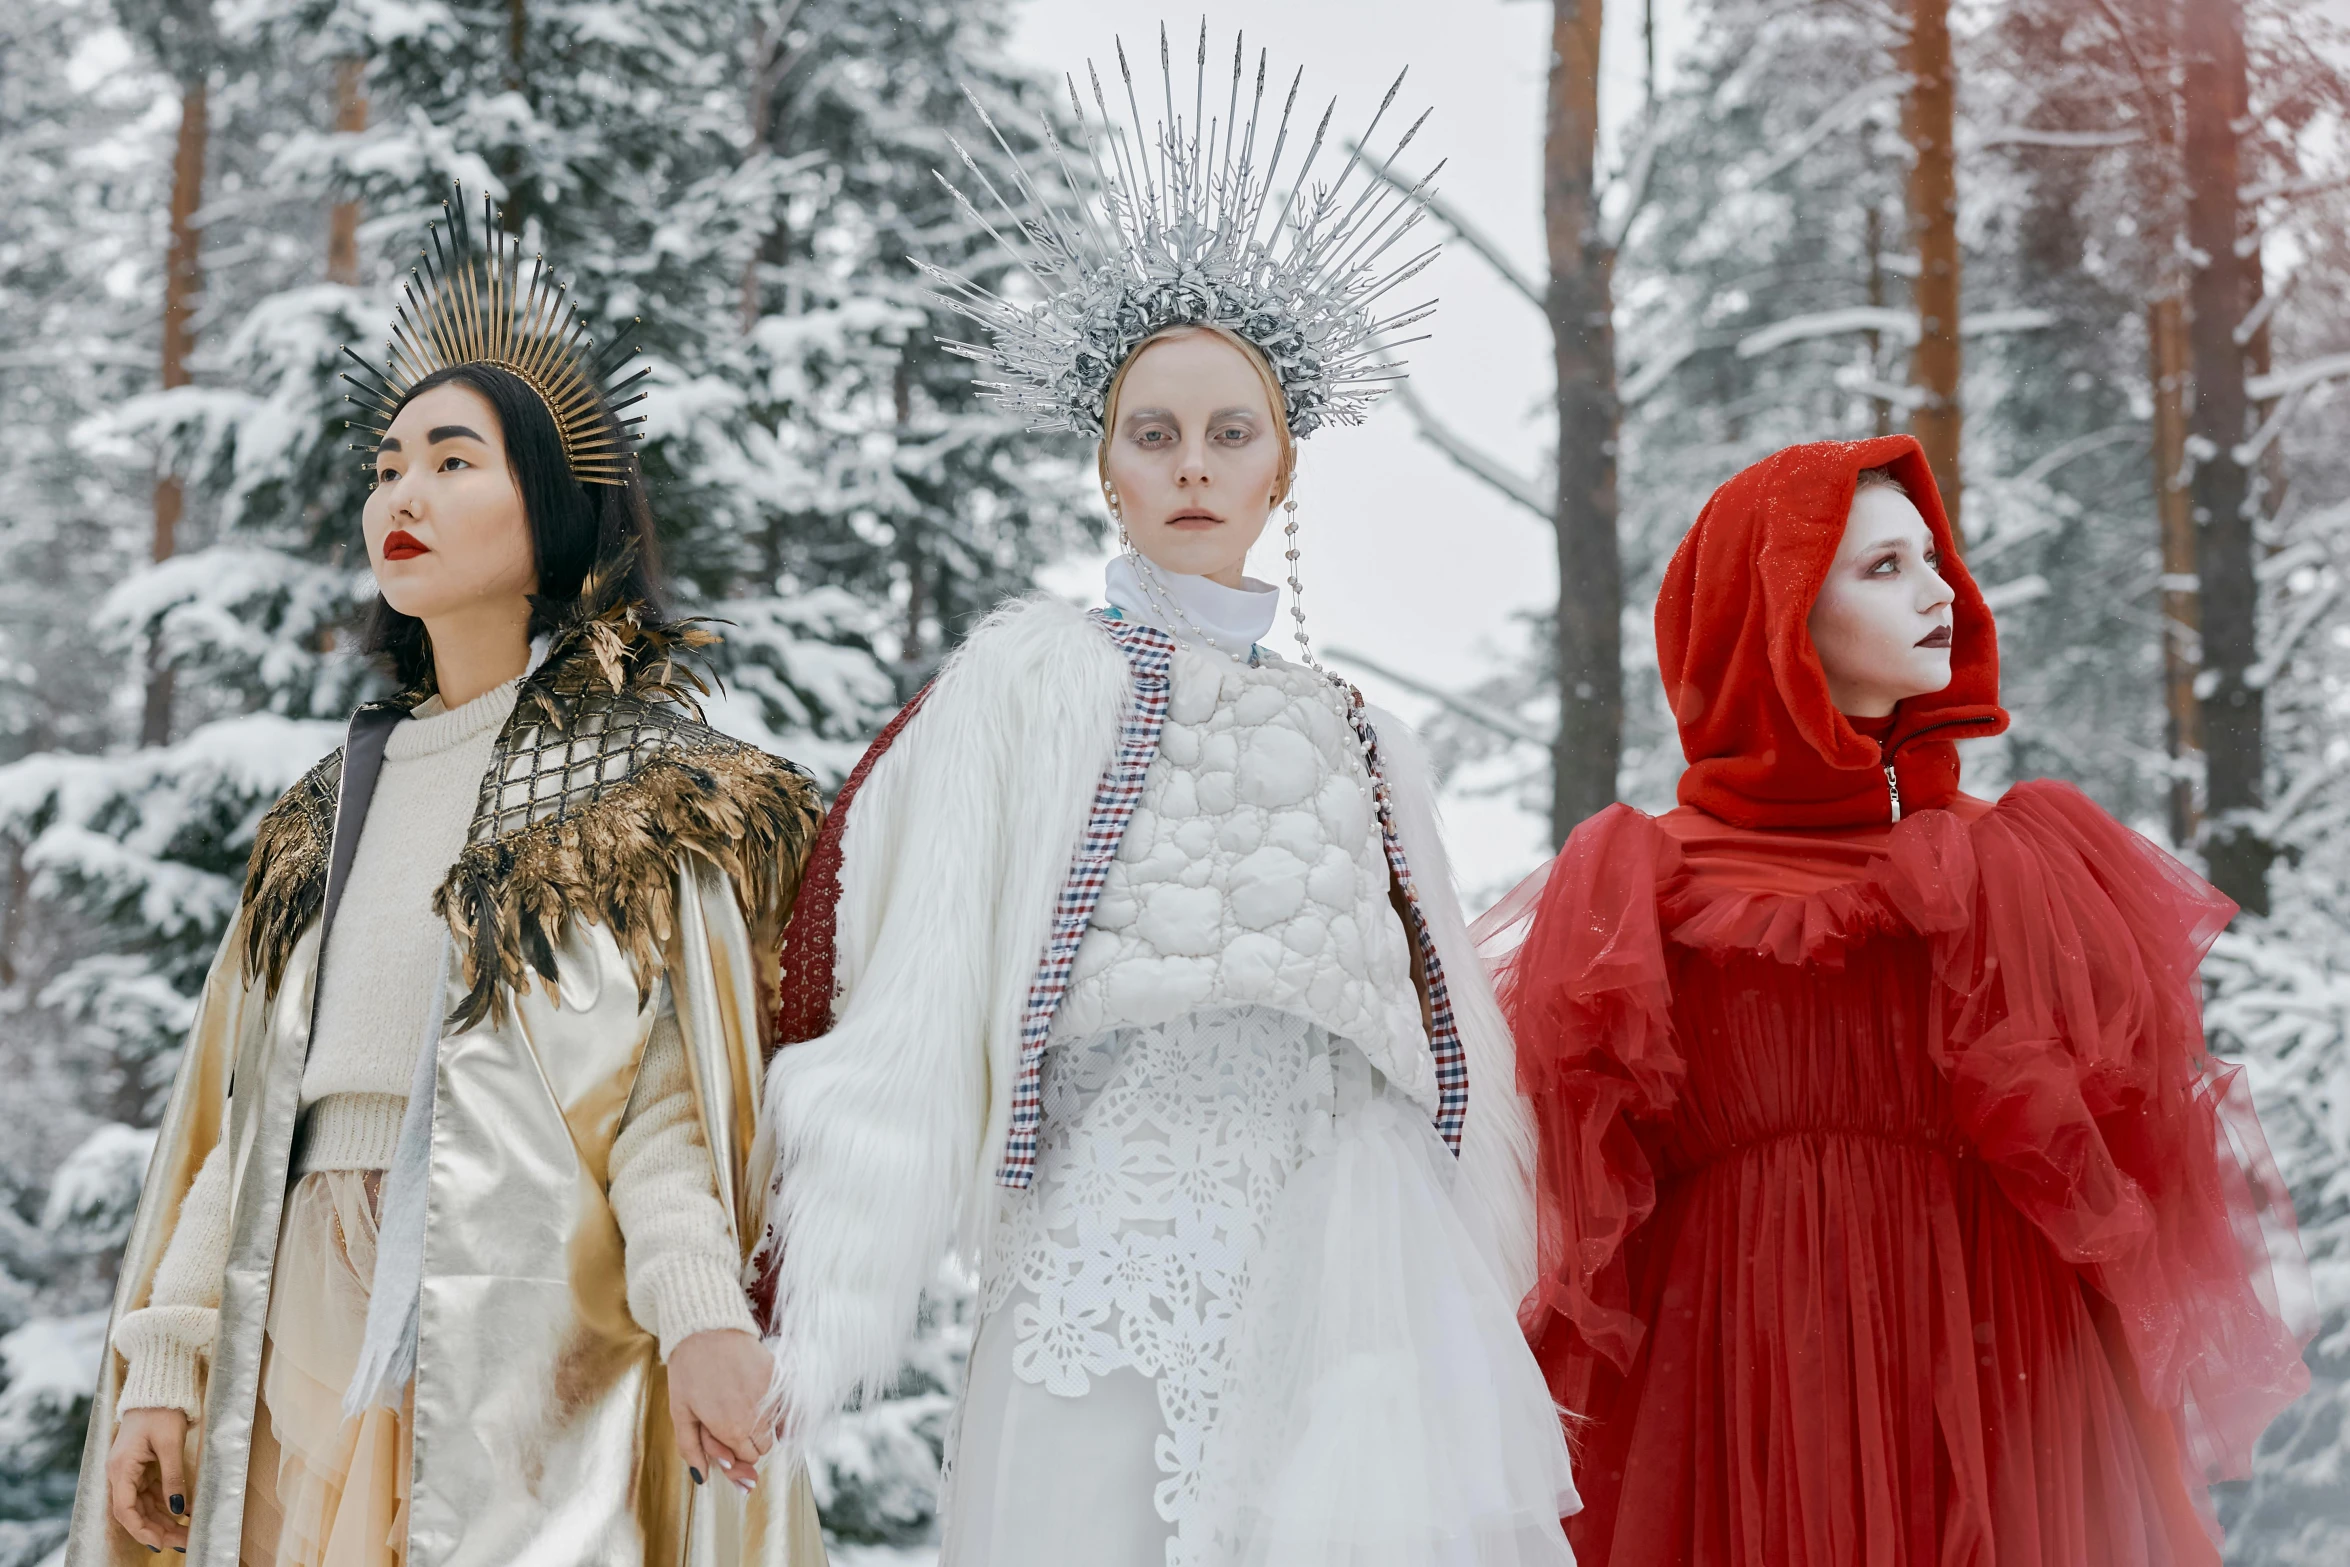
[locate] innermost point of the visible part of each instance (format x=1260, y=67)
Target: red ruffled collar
x=1797, y=896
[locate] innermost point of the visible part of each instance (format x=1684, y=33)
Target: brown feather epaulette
x=603, y=778
x=285, y=884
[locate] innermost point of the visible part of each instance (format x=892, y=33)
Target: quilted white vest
x=1253, y=872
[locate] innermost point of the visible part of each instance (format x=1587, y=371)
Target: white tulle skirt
x=1241, y=1189
x=1384, y=1410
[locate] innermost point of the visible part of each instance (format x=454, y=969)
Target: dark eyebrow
x=387, y=444
x=452, y=432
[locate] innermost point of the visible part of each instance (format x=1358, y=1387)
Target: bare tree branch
x=1633, y=181
x=2155, y=93
x=1469, y=235
x=1468, y=707
x=1511, y=485
x=1882, y=15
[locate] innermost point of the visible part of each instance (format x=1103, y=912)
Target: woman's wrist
x=694, y=1294
x=163, y=1374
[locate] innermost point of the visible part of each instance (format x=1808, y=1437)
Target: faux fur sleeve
x=884, y=1127
x=1496, y=1190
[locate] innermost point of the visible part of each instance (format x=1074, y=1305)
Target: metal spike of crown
x=467, y=302
x=1184, y=227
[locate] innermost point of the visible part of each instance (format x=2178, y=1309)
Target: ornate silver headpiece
x=1183, y=228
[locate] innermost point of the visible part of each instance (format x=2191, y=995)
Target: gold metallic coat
x=541, y=1421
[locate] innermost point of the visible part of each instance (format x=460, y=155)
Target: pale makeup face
x=1882, y=622
x=446, y=530
x=1195, y=458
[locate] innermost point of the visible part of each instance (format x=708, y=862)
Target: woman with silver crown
x=438, y=1258
x=1129, y=962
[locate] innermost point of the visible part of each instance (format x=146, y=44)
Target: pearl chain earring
x=1297, y=589
x=1117, y=515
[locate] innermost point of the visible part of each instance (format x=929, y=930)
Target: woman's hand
x=145, y=1488
x=717, y=1382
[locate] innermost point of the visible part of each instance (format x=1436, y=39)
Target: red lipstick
x=400, y=544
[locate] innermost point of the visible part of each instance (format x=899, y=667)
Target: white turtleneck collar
x=1232, y=619
x=435, y=726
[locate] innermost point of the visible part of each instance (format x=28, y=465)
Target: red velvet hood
x=1766, y=748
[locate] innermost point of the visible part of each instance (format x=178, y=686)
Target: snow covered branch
x=1654, y=371
x=1507, y=725
x=1844, y=112
x=2277, y=383
x=1901, y=325
x=2305, y=615
x=2016, y=592
x=1468, y=233
x=2030, y=136
x=1511, y=485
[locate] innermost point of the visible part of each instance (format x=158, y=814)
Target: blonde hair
x=1877, y=479
x=1257, y=362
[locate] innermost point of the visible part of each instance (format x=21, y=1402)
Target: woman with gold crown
x=438, y=1256
x=1129, y=959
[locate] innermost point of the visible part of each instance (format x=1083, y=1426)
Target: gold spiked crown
x=467, y=303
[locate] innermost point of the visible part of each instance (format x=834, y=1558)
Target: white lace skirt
x=1236, y=1319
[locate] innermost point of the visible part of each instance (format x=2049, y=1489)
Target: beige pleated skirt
x=323, y=1490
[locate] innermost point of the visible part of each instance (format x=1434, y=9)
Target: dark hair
x=576, y=530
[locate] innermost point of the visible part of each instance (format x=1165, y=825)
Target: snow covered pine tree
x=739, y=187
x=1763, y=292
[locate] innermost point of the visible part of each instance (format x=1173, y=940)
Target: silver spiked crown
x=1138, y=233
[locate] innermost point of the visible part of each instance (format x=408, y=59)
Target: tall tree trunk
x=767, y=57
x=2182, y=614
x=512, y=211
x=2235, y=853
x=1876, y=243
x=1591, y=574
x=12, y=913
x=901, y=390
x=2268, y=499
x=1928, y=116
x=342, y=219
x=183, y=284
x=1648, y=51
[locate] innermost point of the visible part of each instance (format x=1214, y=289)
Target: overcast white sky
x=1406, y=558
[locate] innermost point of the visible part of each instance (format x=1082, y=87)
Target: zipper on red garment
x=1893, y=784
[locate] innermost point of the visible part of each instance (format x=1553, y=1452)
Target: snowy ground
x=884, y=1555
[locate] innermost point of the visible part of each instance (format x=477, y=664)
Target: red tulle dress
x=1892, y=1211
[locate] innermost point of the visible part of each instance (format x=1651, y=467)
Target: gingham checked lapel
x=1149, y=653
x=1444, y=1033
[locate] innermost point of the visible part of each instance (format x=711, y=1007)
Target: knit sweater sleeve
x=164, y=1343
x=684, y=1272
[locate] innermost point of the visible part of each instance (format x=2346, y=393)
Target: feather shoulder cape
x=602, y=778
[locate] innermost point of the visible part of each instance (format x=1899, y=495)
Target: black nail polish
x=696, y=1473
x=179, y=1504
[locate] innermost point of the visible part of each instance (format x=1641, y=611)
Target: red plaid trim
x=1444, y=1034
x=1148, y=652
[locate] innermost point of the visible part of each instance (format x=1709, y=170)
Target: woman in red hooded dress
x=1891, y=1209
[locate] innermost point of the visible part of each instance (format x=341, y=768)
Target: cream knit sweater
x=375, y=987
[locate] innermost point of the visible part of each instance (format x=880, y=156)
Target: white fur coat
x=886, y=1130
